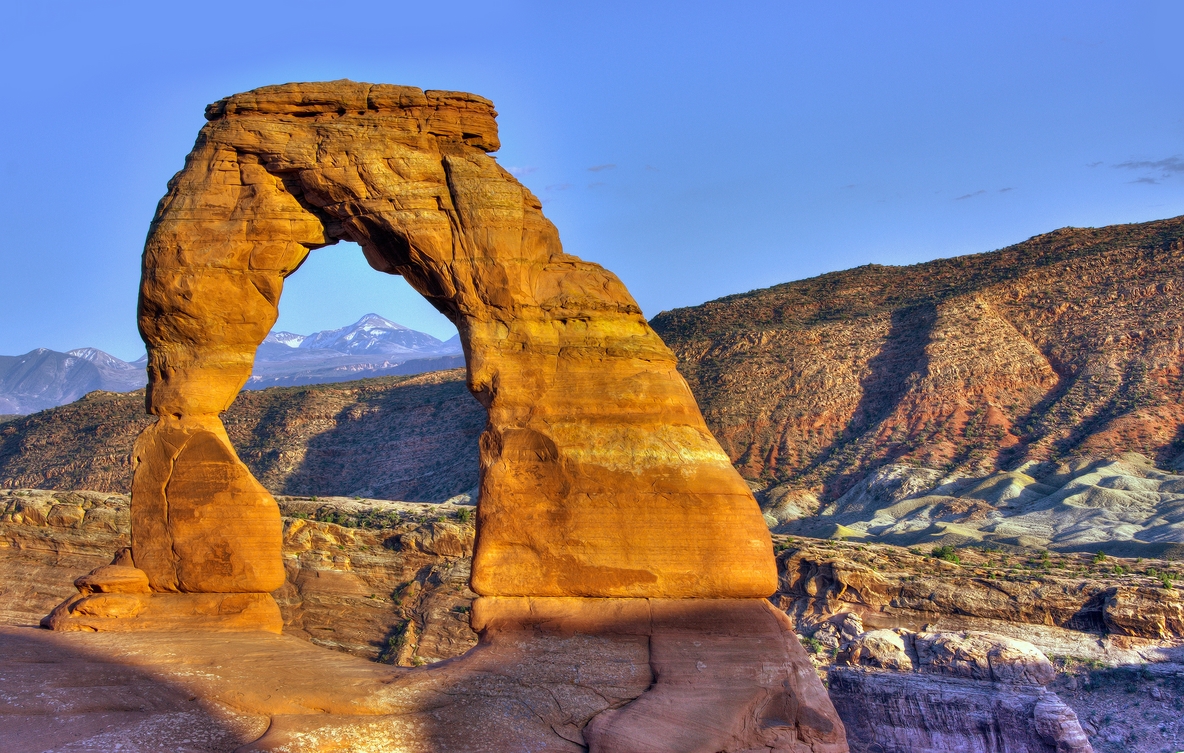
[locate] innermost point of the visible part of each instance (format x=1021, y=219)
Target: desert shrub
x=946, y=553
x=394, y=642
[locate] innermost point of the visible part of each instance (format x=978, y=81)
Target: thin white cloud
x=599, y=168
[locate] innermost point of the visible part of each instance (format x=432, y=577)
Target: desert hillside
x=406, y=438
x=1068, y=344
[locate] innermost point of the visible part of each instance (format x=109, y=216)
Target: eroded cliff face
x=1070, y=342
x=998, y=650
x=389, y=584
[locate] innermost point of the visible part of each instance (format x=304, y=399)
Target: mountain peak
x=285, y=338
x=100, y=358
x=90, y=354
x=373, y=334
x=374, y=321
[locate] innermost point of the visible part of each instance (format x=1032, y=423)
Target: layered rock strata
x=386, y=581
x=1113, y=610
x=991, y=691
x=606, y=505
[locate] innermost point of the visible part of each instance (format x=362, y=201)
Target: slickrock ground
x=388, y=581
x=1067, y=343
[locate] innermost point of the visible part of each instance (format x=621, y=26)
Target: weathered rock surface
x=593, y=436
x=533, y=683
x=907, y=713
x=1065, y=604
x=353, y=587
x=397, y=593
x=390, y=582
x=990, y=697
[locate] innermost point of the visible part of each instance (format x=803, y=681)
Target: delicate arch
x=598, y=474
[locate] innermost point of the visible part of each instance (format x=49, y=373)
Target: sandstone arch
x=599, y=476
x=606, y=506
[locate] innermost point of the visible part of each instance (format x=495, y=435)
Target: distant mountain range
x=44, y=378
x=372, y=346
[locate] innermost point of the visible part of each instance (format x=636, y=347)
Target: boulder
x=880, y=649
x=983, y=656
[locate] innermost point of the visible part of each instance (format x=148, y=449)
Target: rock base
x=116, y=598
x=550, y=674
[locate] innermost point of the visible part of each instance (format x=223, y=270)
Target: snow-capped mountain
x=44, y=378
x=372, y=346
x=284, y=338
x=373, y=334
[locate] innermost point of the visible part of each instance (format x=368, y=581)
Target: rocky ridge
x=1068, y=344
x=1124, y=505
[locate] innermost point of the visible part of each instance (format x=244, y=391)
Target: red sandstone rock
x=595, y=461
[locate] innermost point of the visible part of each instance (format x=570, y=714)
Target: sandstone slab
x=548, y=675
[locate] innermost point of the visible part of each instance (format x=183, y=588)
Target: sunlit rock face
x=599, y=477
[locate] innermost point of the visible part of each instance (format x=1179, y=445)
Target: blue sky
x=695, y=149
